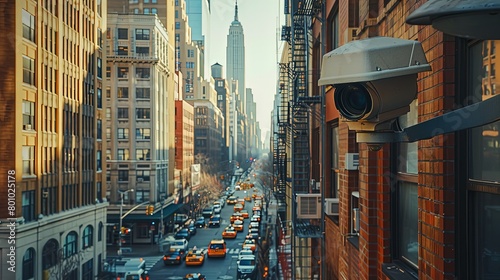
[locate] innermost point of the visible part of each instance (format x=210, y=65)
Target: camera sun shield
x=374, y=79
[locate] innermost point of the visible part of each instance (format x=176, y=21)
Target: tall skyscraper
x=198, y=12
x=235, y=54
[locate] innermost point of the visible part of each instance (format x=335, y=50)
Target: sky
x=259, y=19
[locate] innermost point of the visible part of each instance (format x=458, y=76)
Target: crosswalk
x=151, y=261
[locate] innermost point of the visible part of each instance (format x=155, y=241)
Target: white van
x=181, y=244
x=130, y=269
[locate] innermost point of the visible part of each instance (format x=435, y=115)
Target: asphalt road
x=213, y=268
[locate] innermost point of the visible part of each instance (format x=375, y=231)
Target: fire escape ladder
x=306, y=215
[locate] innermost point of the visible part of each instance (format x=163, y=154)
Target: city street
x=213, y=268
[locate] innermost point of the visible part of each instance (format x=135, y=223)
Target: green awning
x=140, y=215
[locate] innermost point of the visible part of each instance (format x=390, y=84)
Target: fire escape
x=301, y=223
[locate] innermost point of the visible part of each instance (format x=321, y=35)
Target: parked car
x=246, y=267
x=191, y=227
x=207, y=212
x=181, y=244
x=217, y=209
x=173, y=257
x=200, y=222
x=245, y=252
x=183, y=234
x=214, y=221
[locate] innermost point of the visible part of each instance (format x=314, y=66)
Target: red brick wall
x=436, y=196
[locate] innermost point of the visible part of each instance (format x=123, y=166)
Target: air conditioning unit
x=140, y=180
x=27, y=127
x=332, y=206
x=309, y=206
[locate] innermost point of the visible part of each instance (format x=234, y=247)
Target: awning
x=140, y=215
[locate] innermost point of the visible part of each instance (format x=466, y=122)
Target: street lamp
x=121, y=219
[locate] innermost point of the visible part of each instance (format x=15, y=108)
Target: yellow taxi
x=244, y=214
x=229, y=232
x=236, y=216
x=195, y=257
x=238, y=225
x=248, y=198
x=241, y=201
x=232, y=200
x=238, y=207
x=249, y=244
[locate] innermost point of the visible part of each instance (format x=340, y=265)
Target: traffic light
x=151, y=209
x=147, y=210
x=123, y=230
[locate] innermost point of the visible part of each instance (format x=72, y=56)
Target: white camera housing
x=375, y=80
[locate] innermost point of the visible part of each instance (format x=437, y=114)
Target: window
x=334, y=158
x=99, y=67
x=334, y=36
x=146, y=11
x=100, y=231
x=99, y=160
x=142, y=51
x=190, y=53
x=108, y=72
x=29, y=264
x=122, y=50
x=136, y=11
x=28, y=26
x=123, y=154
x=177, y=25
x=483, y=176
x=71, y=244
x=142, y=73
x=99, y=129
x=28, y=115
x=142, y=154
x=99, y=98
x=189, y=64
x=142, y=196
x=28, y=204
x=28, y=71
x=405, y=208
x=142, y=93
x=142, y=175
x=108, y=114
x=122, y=72
x=122, y=33
x=154, y=10
x=122, y=133
x=88, y=270
x=142, y=133
x=142, y=34
x=88, y=237
x=49, y=254
x=123, y=175
x=123, y=113
x=28, y=153
x=122, y=92
x=142, y=113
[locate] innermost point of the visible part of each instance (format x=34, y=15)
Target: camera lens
x=353, y=101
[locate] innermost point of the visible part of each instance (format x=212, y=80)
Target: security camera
x=375, y=80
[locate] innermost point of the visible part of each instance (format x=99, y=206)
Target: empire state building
x=235, y=53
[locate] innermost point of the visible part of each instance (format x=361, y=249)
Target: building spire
x=236, y=11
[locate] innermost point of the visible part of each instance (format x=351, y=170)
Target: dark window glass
x=29, y=264
x=142, y=34
x=122, y=33
x=71, y=244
